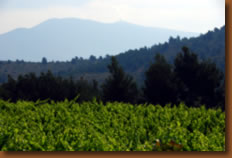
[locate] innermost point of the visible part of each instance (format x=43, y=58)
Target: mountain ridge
x=210, y=45
x=61, y=39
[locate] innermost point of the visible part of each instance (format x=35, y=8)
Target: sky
x=184, y=15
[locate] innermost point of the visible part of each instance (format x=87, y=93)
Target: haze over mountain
x=62, y=39
x=210, y=45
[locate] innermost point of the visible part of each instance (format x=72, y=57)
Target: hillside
x=210, y=45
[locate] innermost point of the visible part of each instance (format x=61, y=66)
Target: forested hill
x=210, y=45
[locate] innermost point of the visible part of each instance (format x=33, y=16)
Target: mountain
x=210, y=45
x=62, y=39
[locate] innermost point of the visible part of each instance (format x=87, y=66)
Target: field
x=93, y=126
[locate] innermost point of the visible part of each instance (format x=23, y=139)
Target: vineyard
x=94, y=126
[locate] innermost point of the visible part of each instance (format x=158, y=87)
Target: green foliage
x=159, y=82
x=190, y=80
x=119, y=86
x=199, y=82
x=47, y=86
x=92, y=126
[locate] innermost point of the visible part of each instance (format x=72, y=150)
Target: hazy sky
x=186, y=15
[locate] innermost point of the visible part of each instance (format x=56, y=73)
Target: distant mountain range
x=62, y=39
x=210, y=45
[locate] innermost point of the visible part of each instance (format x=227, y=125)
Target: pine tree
x=159, y=87
x=198, y=82
x=119, y=86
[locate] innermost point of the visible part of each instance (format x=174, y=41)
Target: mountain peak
x=62, y=39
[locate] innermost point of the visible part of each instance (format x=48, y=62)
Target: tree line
x=188, y=80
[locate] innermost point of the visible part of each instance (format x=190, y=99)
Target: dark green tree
x=84, y=90
x=9, y=90
x=198, y=82
x=44, y=61
x=119, y=86
x=159, y=87
x=186, y=70
x=27, y=87
x=210, y=85
x=92, y=58
x=95, y=89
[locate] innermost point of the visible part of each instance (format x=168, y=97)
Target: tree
x=84, y=90
x=9, y=90
x=119, y=86
x=95, y=89
x=27, y=87
x=186, y=69
x=92, y=58
x=159, y=87
x=74, y=60
x=210, y=84
x=44, y=60
x=198, y=82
